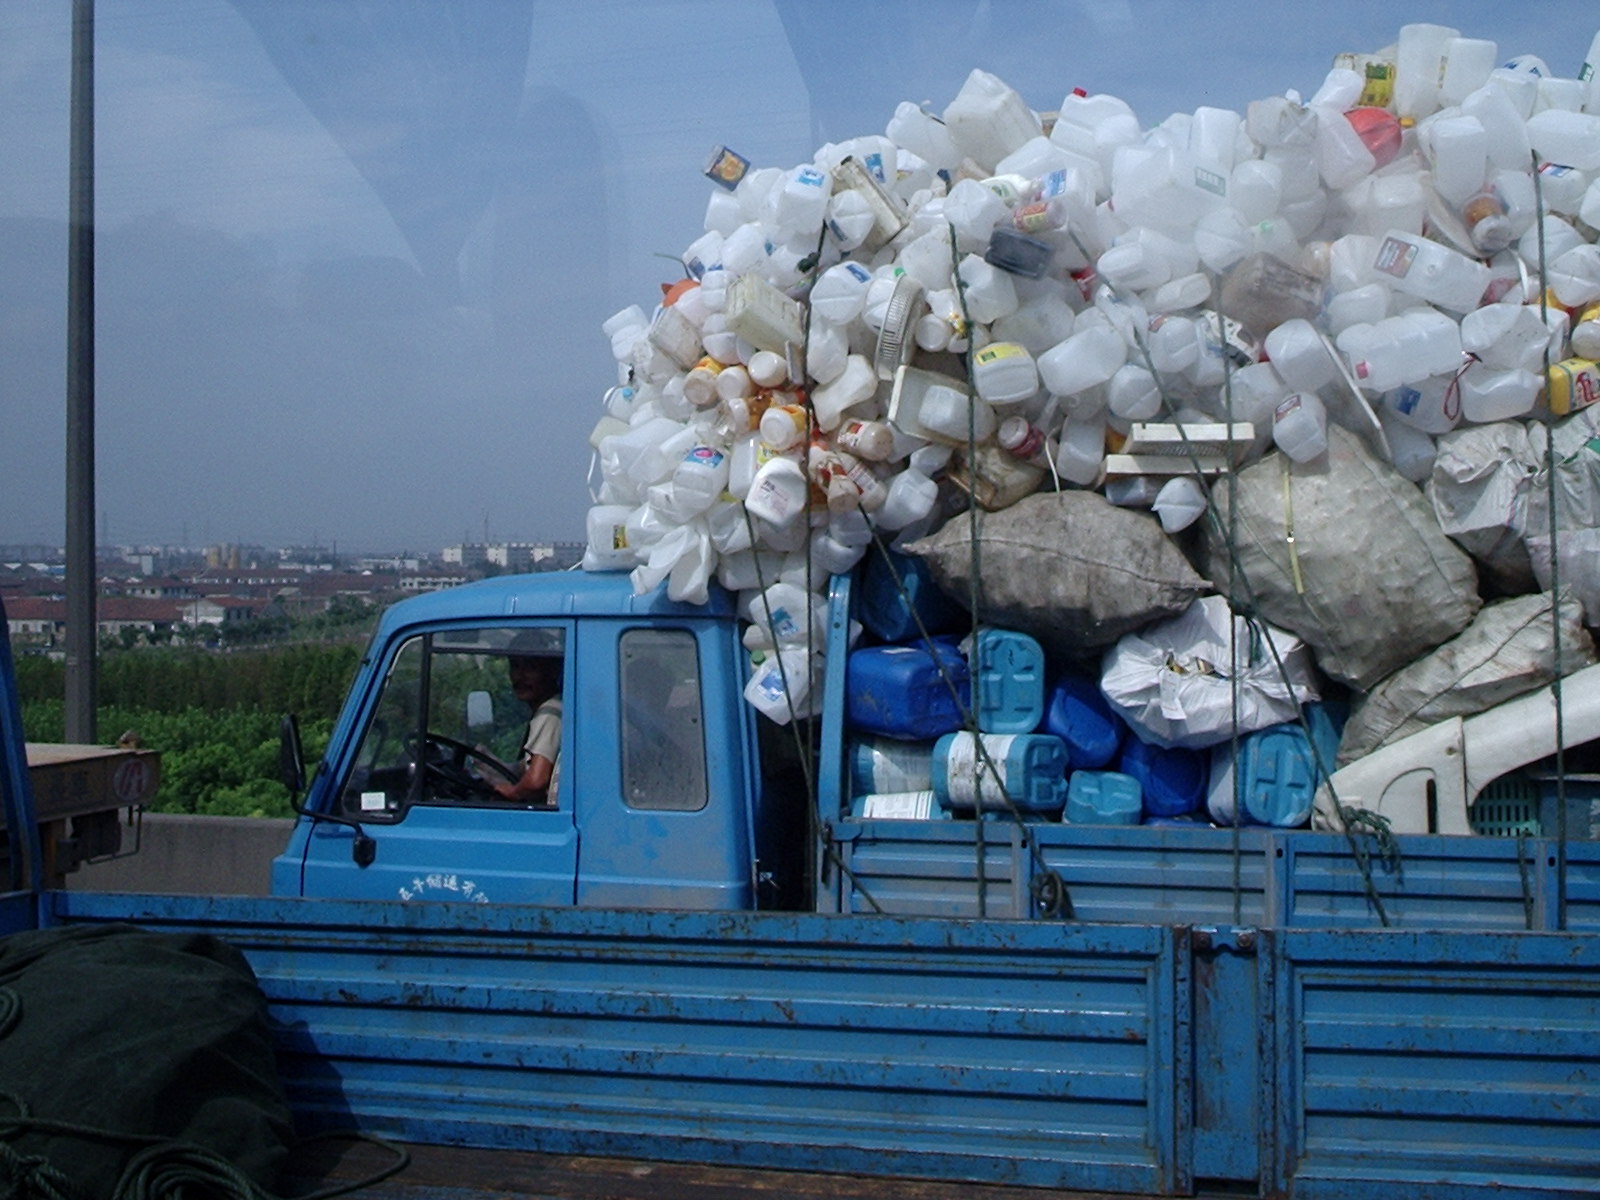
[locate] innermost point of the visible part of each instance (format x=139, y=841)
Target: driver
x=536, y=680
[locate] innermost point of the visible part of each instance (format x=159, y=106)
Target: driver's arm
x=534, y=784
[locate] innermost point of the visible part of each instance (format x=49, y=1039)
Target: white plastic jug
x=1081, y=451
x=1490, y=395
x=1430, y=271
x=1432, y=405
x=1133, y=394
x=1566, y=137
x=1087, y=358
x=911, y=497
x=1296, y=349
x=1180, y=503
x=606, y=526
x=1419, y=61
x=1467, y=63
x=700, y=477
x=988, y=119
x=1459, y=149
x=779, y=491
x=988, y=291
x=856, y=383
x=784, y=685
x=839, y=292
x=1004, y=373
x=1300, y=426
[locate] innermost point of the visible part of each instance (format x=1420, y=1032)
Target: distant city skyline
x=353, y=258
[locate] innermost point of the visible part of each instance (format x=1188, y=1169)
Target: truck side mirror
x=480, y=710
x=291, y=758
x=292, y=771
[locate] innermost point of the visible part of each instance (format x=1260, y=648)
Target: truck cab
x=658, y=797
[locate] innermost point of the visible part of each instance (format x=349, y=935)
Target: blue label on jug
x=783, y=624
x=857, y=272
x=1406, y=400
x=874, y=163
x=810, y=177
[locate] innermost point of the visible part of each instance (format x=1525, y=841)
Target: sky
x=353, y=256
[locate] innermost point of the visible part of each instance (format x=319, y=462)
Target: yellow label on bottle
x=995, y=351
x=1571, y=384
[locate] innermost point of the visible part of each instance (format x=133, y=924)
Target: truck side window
x=663, y=729
x=455, y=718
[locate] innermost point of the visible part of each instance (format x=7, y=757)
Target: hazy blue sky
x=354, y=254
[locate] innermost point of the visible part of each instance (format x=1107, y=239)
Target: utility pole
x=82, y=575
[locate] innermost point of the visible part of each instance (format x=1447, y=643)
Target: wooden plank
x=455, y=1173
x=74, y=781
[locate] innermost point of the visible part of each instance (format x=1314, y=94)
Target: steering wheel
x=445, y=760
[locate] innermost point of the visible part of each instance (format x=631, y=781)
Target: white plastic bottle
x=988, y=291
x=607, y=548
x=784, y=425
x=868, y=439
x=1467, y=63
x=1174, y=344
x=1566, y=137
x=945, y=415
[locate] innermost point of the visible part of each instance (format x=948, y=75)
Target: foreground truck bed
x=1134, y=1058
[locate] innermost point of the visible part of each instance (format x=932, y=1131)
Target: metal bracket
x=1241, y=939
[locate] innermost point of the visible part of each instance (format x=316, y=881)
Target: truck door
x=444, y=724
x=663, y=815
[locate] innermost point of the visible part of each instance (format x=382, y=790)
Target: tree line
x=214, y=717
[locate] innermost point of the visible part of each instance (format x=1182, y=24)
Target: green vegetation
x=214, y=717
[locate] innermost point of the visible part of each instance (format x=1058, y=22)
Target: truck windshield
x=457, y=715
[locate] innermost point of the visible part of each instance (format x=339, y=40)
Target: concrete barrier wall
x=227, y=856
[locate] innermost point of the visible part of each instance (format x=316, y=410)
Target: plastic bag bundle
x=1368, y=594
x=1479, y=491
x=1575, y=455
x=1068, y=568
x=1504, y=653
x=1194, y=680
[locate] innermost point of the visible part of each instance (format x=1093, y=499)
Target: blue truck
x=696, y=951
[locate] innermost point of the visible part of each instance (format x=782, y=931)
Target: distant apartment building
x=42, y=621
x=467, y=555
x=220, y=610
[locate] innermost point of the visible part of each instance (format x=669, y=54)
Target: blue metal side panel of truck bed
x=1447, y=1063
x=1207, y=876
x=1016, y=1052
